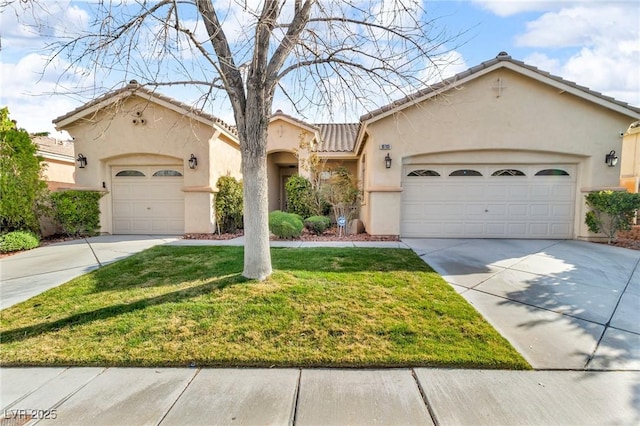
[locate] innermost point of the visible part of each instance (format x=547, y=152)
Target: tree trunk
x=253, y=142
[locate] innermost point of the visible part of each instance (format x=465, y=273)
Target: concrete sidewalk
x=420, y=396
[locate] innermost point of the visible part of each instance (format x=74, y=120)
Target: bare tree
x=324, y=55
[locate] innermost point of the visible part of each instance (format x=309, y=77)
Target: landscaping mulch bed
x=331, y=234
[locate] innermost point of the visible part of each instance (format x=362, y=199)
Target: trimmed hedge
x=317, y=224
x=285, y=225
x=228, y=204
x=18, y=240
x=77, y=212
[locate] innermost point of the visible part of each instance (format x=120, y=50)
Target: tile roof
x=48, y=145
x=502, y=57
x=337, y=137
x=134, y=87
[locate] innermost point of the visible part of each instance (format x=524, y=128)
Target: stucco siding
x=138, y=132
x=501, y=117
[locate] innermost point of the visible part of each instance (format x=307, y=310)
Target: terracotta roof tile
x=337, y=137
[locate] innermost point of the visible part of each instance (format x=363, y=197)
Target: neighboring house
x=630, y=158
x=59, y=164
x=503, y=150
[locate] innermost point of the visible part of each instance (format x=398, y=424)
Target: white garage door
x=148, y=200
x=488, y=201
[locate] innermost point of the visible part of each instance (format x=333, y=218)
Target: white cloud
x=506, y=8
x=607, y=58
x=28, y=88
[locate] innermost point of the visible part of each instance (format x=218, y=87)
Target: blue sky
x=594, y=43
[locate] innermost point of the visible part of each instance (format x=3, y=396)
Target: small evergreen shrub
x=299, y=196
x=285, y=225
x=77, y=212
x=18, y=240
x=611, y=211
x=317, y=224
x=228, y=204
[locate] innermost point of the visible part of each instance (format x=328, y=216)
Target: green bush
x=77, y=212
x=18, y=240
x=21, y=185
x=299, y=196
x=611, y=211
x=285, y=225
x=317, y=224
x=228, y=204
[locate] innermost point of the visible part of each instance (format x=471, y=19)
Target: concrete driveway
x=32, y=272
x=562, y=304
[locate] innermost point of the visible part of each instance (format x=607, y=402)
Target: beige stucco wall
x=525, y=121
x=110, y=138
x=630, y=159
x=59, y=173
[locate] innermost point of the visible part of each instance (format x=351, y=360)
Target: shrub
x=77, y=212
x=18, y=240
x=611, y=211
x=317, y=224
x=21, y=185
x=285, y=225
x=228, y=204
x=299, y=196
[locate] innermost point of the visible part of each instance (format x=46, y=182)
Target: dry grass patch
x=178, y=306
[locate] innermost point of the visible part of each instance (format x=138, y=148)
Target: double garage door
x=148, y=200
x=488, y=201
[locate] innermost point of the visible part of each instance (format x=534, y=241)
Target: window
x=508, y=172
x=129, y=173
x=423, y=172
x=552, y=172
x=167, y=173
x=465, y=172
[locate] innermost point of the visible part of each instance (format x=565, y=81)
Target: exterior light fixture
x=611, y=158
x=387, y=161
x=193, y=162
x=82, y=161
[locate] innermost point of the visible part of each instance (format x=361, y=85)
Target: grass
x=179, y=306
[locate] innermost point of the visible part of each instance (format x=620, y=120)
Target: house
x=59, y=164
x=502, y=150
x=157, y=160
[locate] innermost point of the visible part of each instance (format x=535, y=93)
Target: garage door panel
x=518, y=210
x=496, y=229
x=521, y=206
x=147, y=204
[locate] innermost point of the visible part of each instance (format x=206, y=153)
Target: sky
x=594, y=43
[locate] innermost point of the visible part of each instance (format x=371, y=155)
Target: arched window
x=465, y=172
x=552, y=172
x=129, y=173
x=167, y=173
x=423, y=172
x=508, y=172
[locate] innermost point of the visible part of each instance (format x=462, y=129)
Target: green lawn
x=174, y=306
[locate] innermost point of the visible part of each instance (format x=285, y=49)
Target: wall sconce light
x=611, y=158
x=387, y=161
x=82, y=161
x=193, y=162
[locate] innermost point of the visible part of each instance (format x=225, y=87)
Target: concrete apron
x=561, y=304
x=184, y=396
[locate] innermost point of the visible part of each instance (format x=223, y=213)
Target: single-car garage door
x=148, y=200
x=488, y=201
